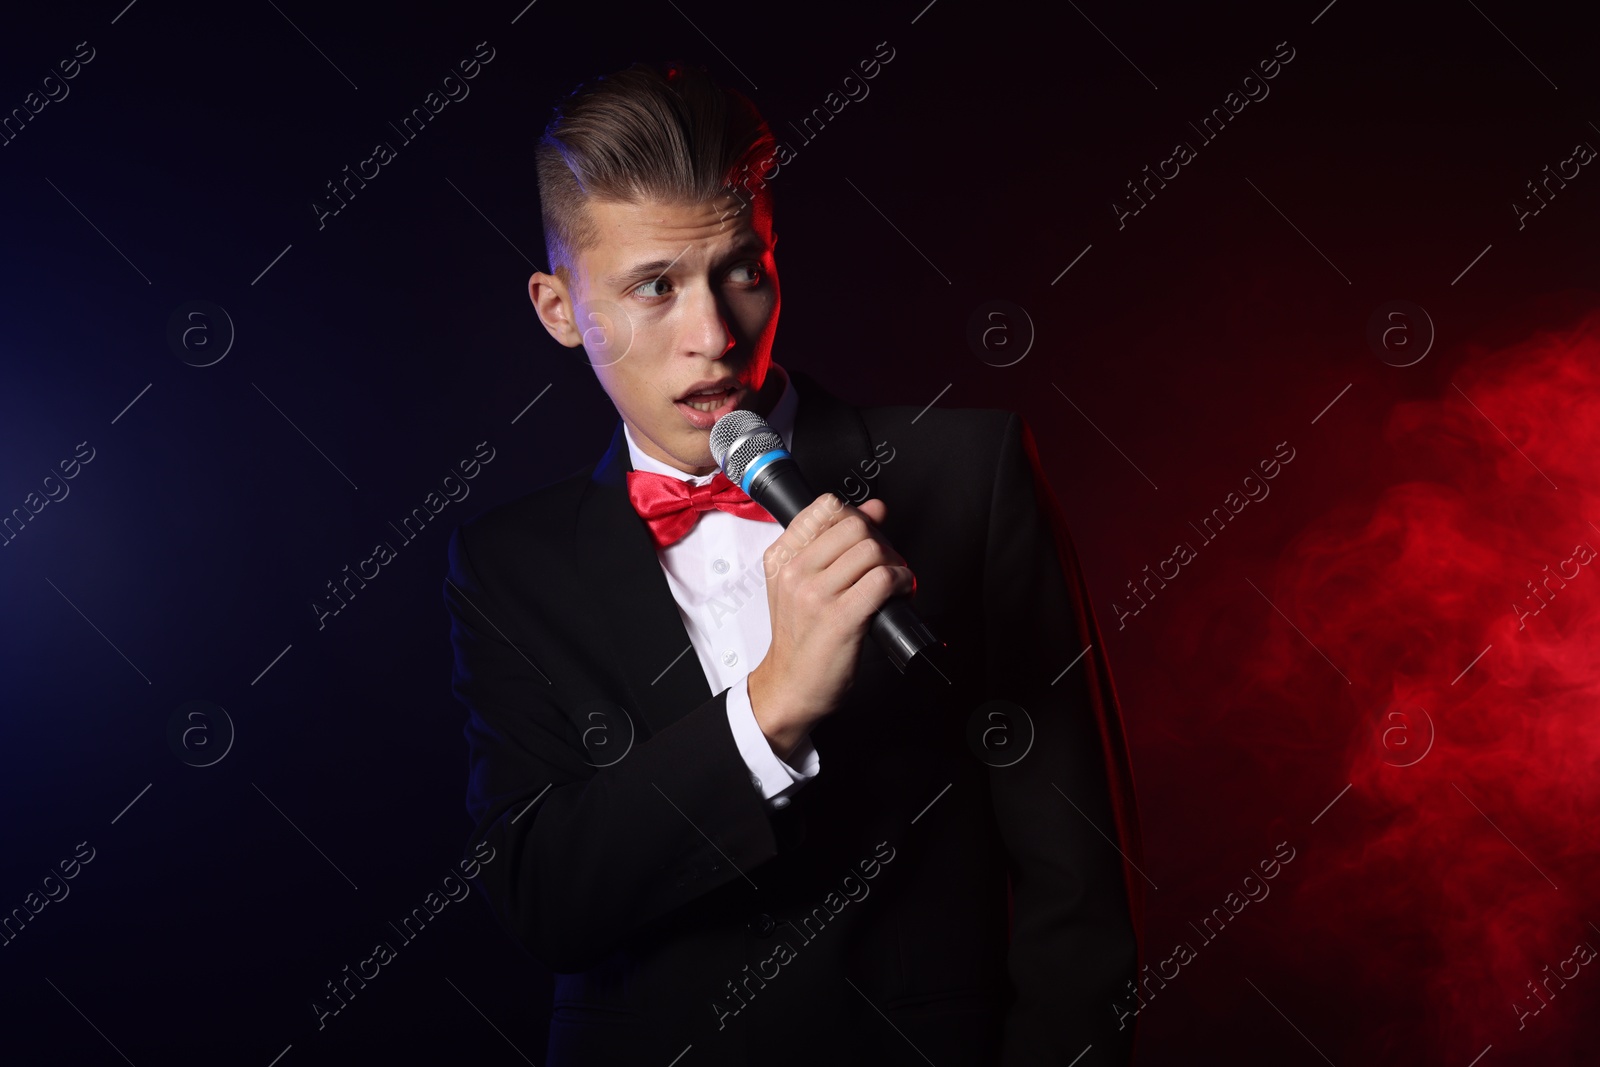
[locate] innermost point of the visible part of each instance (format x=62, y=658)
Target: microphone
x=753, y=457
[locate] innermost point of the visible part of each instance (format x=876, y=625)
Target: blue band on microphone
x=756, y=465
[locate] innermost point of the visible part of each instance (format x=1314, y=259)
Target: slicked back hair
x=650, y=132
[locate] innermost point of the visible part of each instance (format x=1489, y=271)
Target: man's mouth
x=708, y=399
x=704, y=407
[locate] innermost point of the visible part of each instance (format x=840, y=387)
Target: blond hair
x=650, y=132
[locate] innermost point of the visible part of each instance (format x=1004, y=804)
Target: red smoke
x=1411, y=911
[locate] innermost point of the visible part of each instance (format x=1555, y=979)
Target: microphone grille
x=738, y=438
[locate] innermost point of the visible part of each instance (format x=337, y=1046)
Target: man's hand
x=826, y=575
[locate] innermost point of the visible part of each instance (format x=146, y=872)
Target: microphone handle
x=776, y=483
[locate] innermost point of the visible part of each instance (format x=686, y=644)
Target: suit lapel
x=650, y=646
x=829, y=437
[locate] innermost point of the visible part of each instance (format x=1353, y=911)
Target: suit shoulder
x=976, y=435
x=520, y=524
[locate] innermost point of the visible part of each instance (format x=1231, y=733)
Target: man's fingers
x=813, y=519
x=875, y=587
x=823, y=531
x=858, y=560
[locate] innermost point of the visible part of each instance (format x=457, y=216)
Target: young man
x=817, y=860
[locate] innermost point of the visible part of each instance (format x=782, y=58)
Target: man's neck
x=771, y=390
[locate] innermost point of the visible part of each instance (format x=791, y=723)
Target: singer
x=746, y=837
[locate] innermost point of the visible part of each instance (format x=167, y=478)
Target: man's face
x=674, y=297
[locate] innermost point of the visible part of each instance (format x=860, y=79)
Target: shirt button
x=755, y=781
x=781, y=802
x=729, y=658
x=720, y=566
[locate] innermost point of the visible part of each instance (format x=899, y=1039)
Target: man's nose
x=708, y=332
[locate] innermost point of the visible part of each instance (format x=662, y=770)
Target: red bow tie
x=671, y=506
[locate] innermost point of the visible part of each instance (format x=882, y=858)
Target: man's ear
x=553, y=303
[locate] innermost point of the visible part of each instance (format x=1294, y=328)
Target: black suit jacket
x=868, y=921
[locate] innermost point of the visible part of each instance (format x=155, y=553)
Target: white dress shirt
x=716, y=575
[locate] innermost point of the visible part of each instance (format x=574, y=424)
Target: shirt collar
x=781, y=420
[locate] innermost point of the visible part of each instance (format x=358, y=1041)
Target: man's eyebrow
x=749, y=243
x=640, y=270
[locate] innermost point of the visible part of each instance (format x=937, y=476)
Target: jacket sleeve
x=590, y=842
x=1065, y=809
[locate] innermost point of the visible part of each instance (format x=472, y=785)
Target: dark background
x=1176, y=353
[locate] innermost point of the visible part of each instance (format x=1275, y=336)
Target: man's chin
x=695, y=449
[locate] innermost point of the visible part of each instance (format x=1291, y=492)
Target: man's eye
x=645, y=289
x=746, y=274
